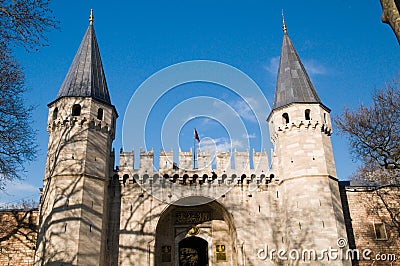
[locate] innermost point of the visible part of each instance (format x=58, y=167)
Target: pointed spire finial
x=91, y=17
x=284, y=23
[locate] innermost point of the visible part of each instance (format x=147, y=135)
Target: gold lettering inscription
x=192, y=217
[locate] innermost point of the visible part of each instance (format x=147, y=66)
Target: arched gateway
x=199, y=235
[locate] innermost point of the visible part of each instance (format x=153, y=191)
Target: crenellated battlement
x=82, y=122
x=186, y=178
x=302, y=126
x=246, y=168
x=307, y=125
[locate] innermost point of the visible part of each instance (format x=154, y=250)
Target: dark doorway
x=193, y=251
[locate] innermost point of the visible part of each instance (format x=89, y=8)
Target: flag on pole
x=196, y=136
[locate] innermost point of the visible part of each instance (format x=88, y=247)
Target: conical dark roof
x=293, y=84
x=86, y=77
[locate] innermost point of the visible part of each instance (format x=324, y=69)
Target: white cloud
x=206, y=121
x=17, y=191
x=314, y=68
x=220, y=145
x=254, y=103
x=246, y=109
x=188, y=117
x=249, y=136
x=273, y=65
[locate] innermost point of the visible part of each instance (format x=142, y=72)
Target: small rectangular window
x=100, y=114
x=307, y=114
x=380, y=231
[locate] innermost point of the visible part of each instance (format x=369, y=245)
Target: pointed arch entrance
x=201, y=235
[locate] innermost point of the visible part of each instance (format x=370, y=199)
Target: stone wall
x=364, y=208
x=18, y=232
x=248, y=217
x=374, y=214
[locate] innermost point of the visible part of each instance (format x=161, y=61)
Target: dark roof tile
x=86, y=77
x=293, y=84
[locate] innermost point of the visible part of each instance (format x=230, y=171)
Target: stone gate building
x=94, y=213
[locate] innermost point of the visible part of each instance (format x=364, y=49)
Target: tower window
x=125, y=178
x=55, y=113
x=100, y=114
x=285, y=118
x=380, y=231
x=76, y=110
x=325, y=118
x=307, y=114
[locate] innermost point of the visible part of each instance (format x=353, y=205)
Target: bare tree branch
x=25, y=22
x=374, y=134
x=17, y=138
x=22, y=23
x=374, y=131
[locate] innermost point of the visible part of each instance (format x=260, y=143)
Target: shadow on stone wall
x=65, y=185
x=18, y=232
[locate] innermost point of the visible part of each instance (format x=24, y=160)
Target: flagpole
x=195, y=138
x=194, y=153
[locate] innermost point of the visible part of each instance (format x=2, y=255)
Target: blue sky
x=346, y=49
